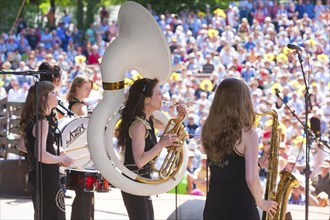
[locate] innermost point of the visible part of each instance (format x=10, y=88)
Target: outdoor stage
x=110, y=206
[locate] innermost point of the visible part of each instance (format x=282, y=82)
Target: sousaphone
x=140, y=45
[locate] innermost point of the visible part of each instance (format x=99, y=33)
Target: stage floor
x=110, y=206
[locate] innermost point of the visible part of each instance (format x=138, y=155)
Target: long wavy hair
x=231, y=112
x=29, y=109
x=77, y=83
x=134, y=106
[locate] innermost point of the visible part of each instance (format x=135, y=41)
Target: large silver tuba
x=141, y=46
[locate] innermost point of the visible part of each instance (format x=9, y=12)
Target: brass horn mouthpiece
x=169, y=103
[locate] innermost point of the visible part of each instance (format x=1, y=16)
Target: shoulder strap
x=144, y=122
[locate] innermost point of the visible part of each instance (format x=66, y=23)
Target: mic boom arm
x=69, y=112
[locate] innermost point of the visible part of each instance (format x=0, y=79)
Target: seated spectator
x=298, y=197
x=321, y=181
x=191, y=126
x=208, y=67
x=199, y=178
x=323, y=199
x=94, y=56
x=16, y=93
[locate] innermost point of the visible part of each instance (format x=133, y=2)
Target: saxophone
x=280, y=194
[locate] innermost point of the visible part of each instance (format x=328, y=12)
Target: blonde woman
x=80, y=89
x=83, y=203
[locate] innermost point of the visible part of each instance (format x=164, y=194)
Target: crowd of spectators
x=247, y=40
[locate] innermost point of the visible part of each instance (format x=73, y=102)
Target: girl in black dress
x=83, y=203
x=231, y=145
x=47, y=195
x=136, y=135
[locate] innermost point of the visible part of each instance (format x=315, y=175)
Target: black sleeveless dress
x=83, y=203
x=150, y=141
x=139, y=207
x=229, y=196
x=51, y=200
x=74, y=101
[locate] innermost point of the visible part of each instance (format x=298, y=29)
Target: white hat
x=204, y=157
x=291, y=159
x=325, y=165
x=192, y=145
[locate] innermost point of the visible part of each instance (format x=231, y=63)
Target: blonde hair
x=76, y=83
x=230, y=113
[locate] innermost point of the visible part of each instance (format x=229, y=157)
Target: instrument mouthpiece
x=169, y=103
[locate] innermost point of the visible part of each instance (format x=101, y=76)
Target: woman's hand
x=269, y=206
x=66, y=161
x=182, y=111
x=169, y=140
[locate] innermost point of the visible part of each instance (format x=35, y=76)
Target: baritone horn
x=140, y=45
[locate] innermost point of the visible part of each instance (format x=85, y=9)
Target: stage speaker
x=191, y=209
x=288, y=216
x=13, y=176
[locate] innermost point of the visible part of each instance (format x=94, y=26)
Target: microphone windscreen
x=315, y=125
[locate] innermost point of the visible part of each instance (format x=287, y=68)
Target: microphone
x=294, y=47
x=28, y=72
x=60, y=111
x=48, y=72
x=277, y=92
x=277, y=104
x=316, y=126
x=70, y=113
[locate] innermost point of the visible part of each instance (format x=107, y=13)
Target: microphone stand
x=309, y=135
x=28, y=73
x=307, y=104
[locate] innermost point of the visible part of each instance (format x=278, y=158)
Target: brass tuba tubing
x=139, y=39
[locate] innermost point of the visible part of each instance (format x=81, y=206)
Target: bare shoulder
x=250, y=136
x=137, y=125
x=43, y=122
x=137, y=128
x=42, y=126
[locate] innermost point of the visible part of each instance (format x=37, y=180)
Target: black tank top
x=50, y=171
x=229, y=176
x=150, y=141
x=74, y=101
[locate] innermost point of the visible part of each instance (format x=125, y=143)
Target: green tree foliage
x=93, y=7
x=86, y=10
x=174, y=6
x=80, y=14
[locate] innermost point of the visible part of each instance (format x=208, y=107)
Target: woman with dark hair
x=39, y=133
x=232, y=151
x=136, y=136
x=54, y=75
